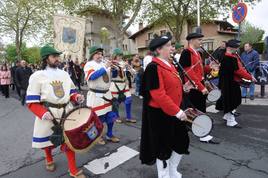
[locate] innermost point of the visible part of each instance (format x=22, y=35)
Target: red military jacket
x=195, y=69
x=168, y=96
x=241, y=72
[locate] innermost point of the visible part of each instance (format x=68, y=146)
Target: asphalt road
x=243, y=153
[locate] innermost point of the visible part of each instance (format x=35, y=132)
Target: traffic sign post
x=239, y=14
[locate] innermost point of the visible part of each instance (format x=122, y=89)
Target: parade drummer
x=164, y=137
x=119, y=87
x=231, y=72
x=49, y=94
x=99, y=97
x=192, y=63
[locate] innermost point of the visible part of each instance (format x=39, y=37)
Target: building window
x=150, y=36
x=163, y=32
x=125, y=47
x=208, y=45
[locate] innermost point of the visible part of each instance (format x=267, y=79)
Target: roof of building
x=224, y=23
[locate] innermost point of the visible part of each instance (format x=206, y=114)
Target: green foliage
x=31, y=55
x=251, y=33
x=26, y=19
x=11, y=54
x=259, y=47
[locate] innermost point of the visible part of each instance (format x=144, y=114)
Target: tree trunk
x=18, y=46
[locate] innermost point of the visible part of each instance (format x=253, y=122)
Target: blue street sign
x=239, y=12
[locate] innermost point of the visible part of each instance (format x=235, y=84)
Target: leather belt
x=98, y=91
x=118, y=81
x=52, y=105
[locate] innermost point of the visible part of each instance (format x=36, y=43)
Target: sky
x=257, y=15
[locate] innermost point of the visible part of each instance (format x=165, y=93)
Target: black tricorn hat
x=233, y=43
x=159, y=41
x=193, y=36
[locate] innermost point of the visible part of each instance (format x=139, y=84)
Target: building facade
x=214, y=33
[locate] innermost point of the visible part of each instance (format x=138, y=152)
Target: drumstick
x=65, y=119
x=188, y=120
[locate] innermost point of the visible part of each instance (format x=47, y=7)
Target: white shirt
x=177, y=57
x=147, y=59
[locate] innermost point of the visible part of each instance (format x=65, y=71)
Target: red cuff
x=38, y=109
x=74, y=97
x=207, y=69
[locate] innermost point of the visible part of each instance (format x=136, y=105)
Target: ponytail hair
x=44, y=63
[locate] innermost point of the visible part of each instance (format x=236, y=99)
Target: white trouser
x=171, y=168
x=174, y=162
x=162, y=172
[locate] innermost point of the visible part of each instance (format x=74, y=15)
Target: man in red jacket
x=230, y=74
x=164, y=136
x=192, y=63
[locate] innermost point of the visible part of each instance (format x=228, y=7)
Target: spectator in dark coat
x=13, y=71
x=22, y=76
x=251, y=59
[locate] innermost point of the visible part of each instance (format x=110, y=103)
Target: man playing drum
x=99, y=98
x=164, y=136
x=192, y=62
x=119, y=86
x=48, y=97
x=231, y=72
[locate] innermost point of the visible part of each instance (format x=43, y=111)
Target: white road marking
x=107, y=163
x=212, y=109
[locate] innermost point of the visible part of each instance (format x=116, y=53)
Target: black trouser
x=5, y=90
x=12, y=86
x=18, y=90
x=197, y=100
x=23, y=95
x=78, y=84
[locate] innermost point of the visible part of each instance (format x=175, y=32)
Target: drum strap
x=119, y=88
x=58, y=106
x=57, y=137
x=114, y=102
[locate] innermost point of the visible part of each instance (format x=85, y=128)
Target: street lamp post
x=198, y=29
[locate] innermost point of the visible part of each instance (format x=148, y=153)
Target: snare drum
x=213, y=92
x=199, y=123
x=81, y=129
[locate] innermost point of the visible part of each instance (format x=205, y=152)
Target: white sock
x=162, y=172
x=174, y=162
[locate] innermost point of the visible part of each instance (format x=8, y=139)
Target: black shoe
x=251, y=97
x=237, y=126
x=212, y=141
x=236, y=114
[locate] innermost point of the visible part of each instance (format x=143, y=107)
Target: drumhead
x=76, y=118
x=202, y=126
x=214, y=95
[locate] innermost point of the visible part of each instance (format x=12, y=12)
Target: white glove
x=80, y=99
x=181, y=115
x=47, y=116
